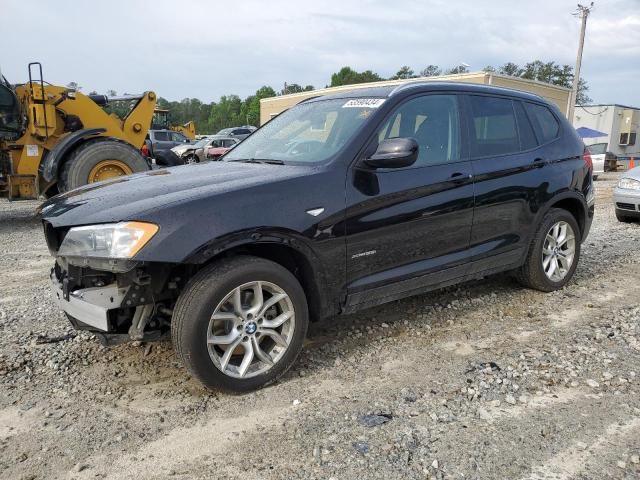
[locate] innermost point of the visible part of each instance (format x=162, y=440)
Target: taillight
x=586, y=156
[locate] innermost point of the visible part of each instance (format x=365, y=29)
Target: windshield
x=311, y=132
x=597, y=148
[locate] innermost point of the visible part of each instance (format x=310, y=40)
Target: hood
x=133, y=196
x=179, y=149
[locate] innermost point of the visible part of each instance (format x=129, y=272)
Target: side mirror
x=186, y=140
x=394, y=153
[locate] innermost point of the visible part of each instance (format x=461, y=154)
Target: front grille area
x=625, y=206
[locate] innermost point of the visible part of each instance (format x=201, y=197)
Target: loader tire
x=99, y=160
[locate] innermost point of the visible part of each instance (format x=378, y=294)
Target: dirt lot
x=486, y=380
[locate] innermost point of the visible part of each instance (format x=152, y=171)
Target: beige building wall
x=270, y=107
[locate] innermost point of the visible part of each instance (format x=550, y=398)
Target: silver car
x=626, y=196
x=196, y=152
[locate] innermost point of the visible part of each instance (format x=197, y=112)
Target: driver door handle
x=460, y=177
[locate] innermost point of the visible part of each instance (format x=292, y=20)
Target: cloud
x=205, y=49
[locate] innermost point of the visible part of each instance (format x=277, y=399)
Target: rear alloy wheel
x=240, y=323
x=553, y=253
x=558, y=251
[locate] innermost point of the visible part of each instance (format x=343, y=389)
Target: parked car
x=603, y=161
x=340, y=203
x=239, y=132
x=197, y=152
x=219, y=147
x=189, y=152
x=186, y=150
x=626, y=196
x=159, y=144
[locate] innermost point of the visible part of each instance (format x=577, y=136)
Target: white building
x=619, y=123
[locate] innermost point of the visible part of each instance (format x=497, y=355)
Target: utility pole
x=582, y=12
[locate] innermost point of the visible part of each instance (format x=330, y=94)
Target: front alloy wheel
x=240, y=323
x=251, y=329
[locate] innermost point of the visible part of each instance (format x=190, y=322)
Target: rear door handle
x=460, y=177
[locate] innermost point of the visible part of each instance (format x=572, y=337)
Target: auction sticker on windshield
x=364, y=103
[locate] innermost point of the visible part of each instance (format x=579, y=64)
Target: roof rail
x=307, y=99
x=404, y=85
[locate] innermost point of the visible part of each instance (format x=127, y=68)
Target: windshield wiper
x=270, y=161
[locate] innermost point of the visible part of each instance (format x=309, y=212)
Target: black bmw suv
x=340, y=203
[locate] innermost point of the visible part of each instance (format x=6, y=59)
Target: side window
x=544, y=122
x=493, y=125
x=216, y=143
x=177, y=137
x=161, y=136
x=433, y=121
x=527, y=137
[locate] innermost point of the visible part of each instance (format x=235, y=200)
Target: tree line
x=231, y=110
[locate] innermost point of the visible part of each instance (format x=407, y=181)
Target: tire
x=191, y=158
x=623, y=218
x=532, y=273
x=207, y=293
x=81, y=162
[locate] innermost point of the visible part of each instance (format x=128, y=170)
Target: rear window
x=493, y=122
x=544, y=122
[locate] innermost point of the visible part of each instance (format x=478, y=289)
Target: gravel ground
x=484, y=380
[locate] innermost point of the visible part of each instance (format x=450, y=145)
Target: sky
x=206, y=49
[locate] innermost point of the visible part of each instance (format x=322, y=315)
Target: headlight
x=111, y=240
x=629, y=184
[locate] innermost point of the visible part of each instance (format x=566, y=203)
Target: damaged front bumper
x=88, y=307
x=115, y=308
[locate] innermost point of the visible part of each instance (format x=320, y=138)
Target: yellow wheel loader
x=162, y=120
x=54, y=139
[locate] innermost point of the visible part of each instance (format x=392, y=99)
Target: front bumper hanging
x=90, y=306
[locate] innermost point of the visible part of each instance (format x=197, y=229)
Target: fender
x=323, y=299
x=56, y=156
x=565, y=195
x=573, y=195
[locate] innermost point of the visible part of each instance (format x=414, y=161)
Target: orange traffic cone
x=632, y=163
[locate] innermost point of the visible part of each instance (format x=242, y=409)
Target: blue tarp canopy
x=585, y=132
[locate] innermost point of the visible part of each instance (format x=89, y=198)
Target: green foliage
x=405, y=72
x=209, y=118
x=548, y=72
x=295, y=88
x=231, y=110
x=457, y=70
x=431, y=71
x=348, y=76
